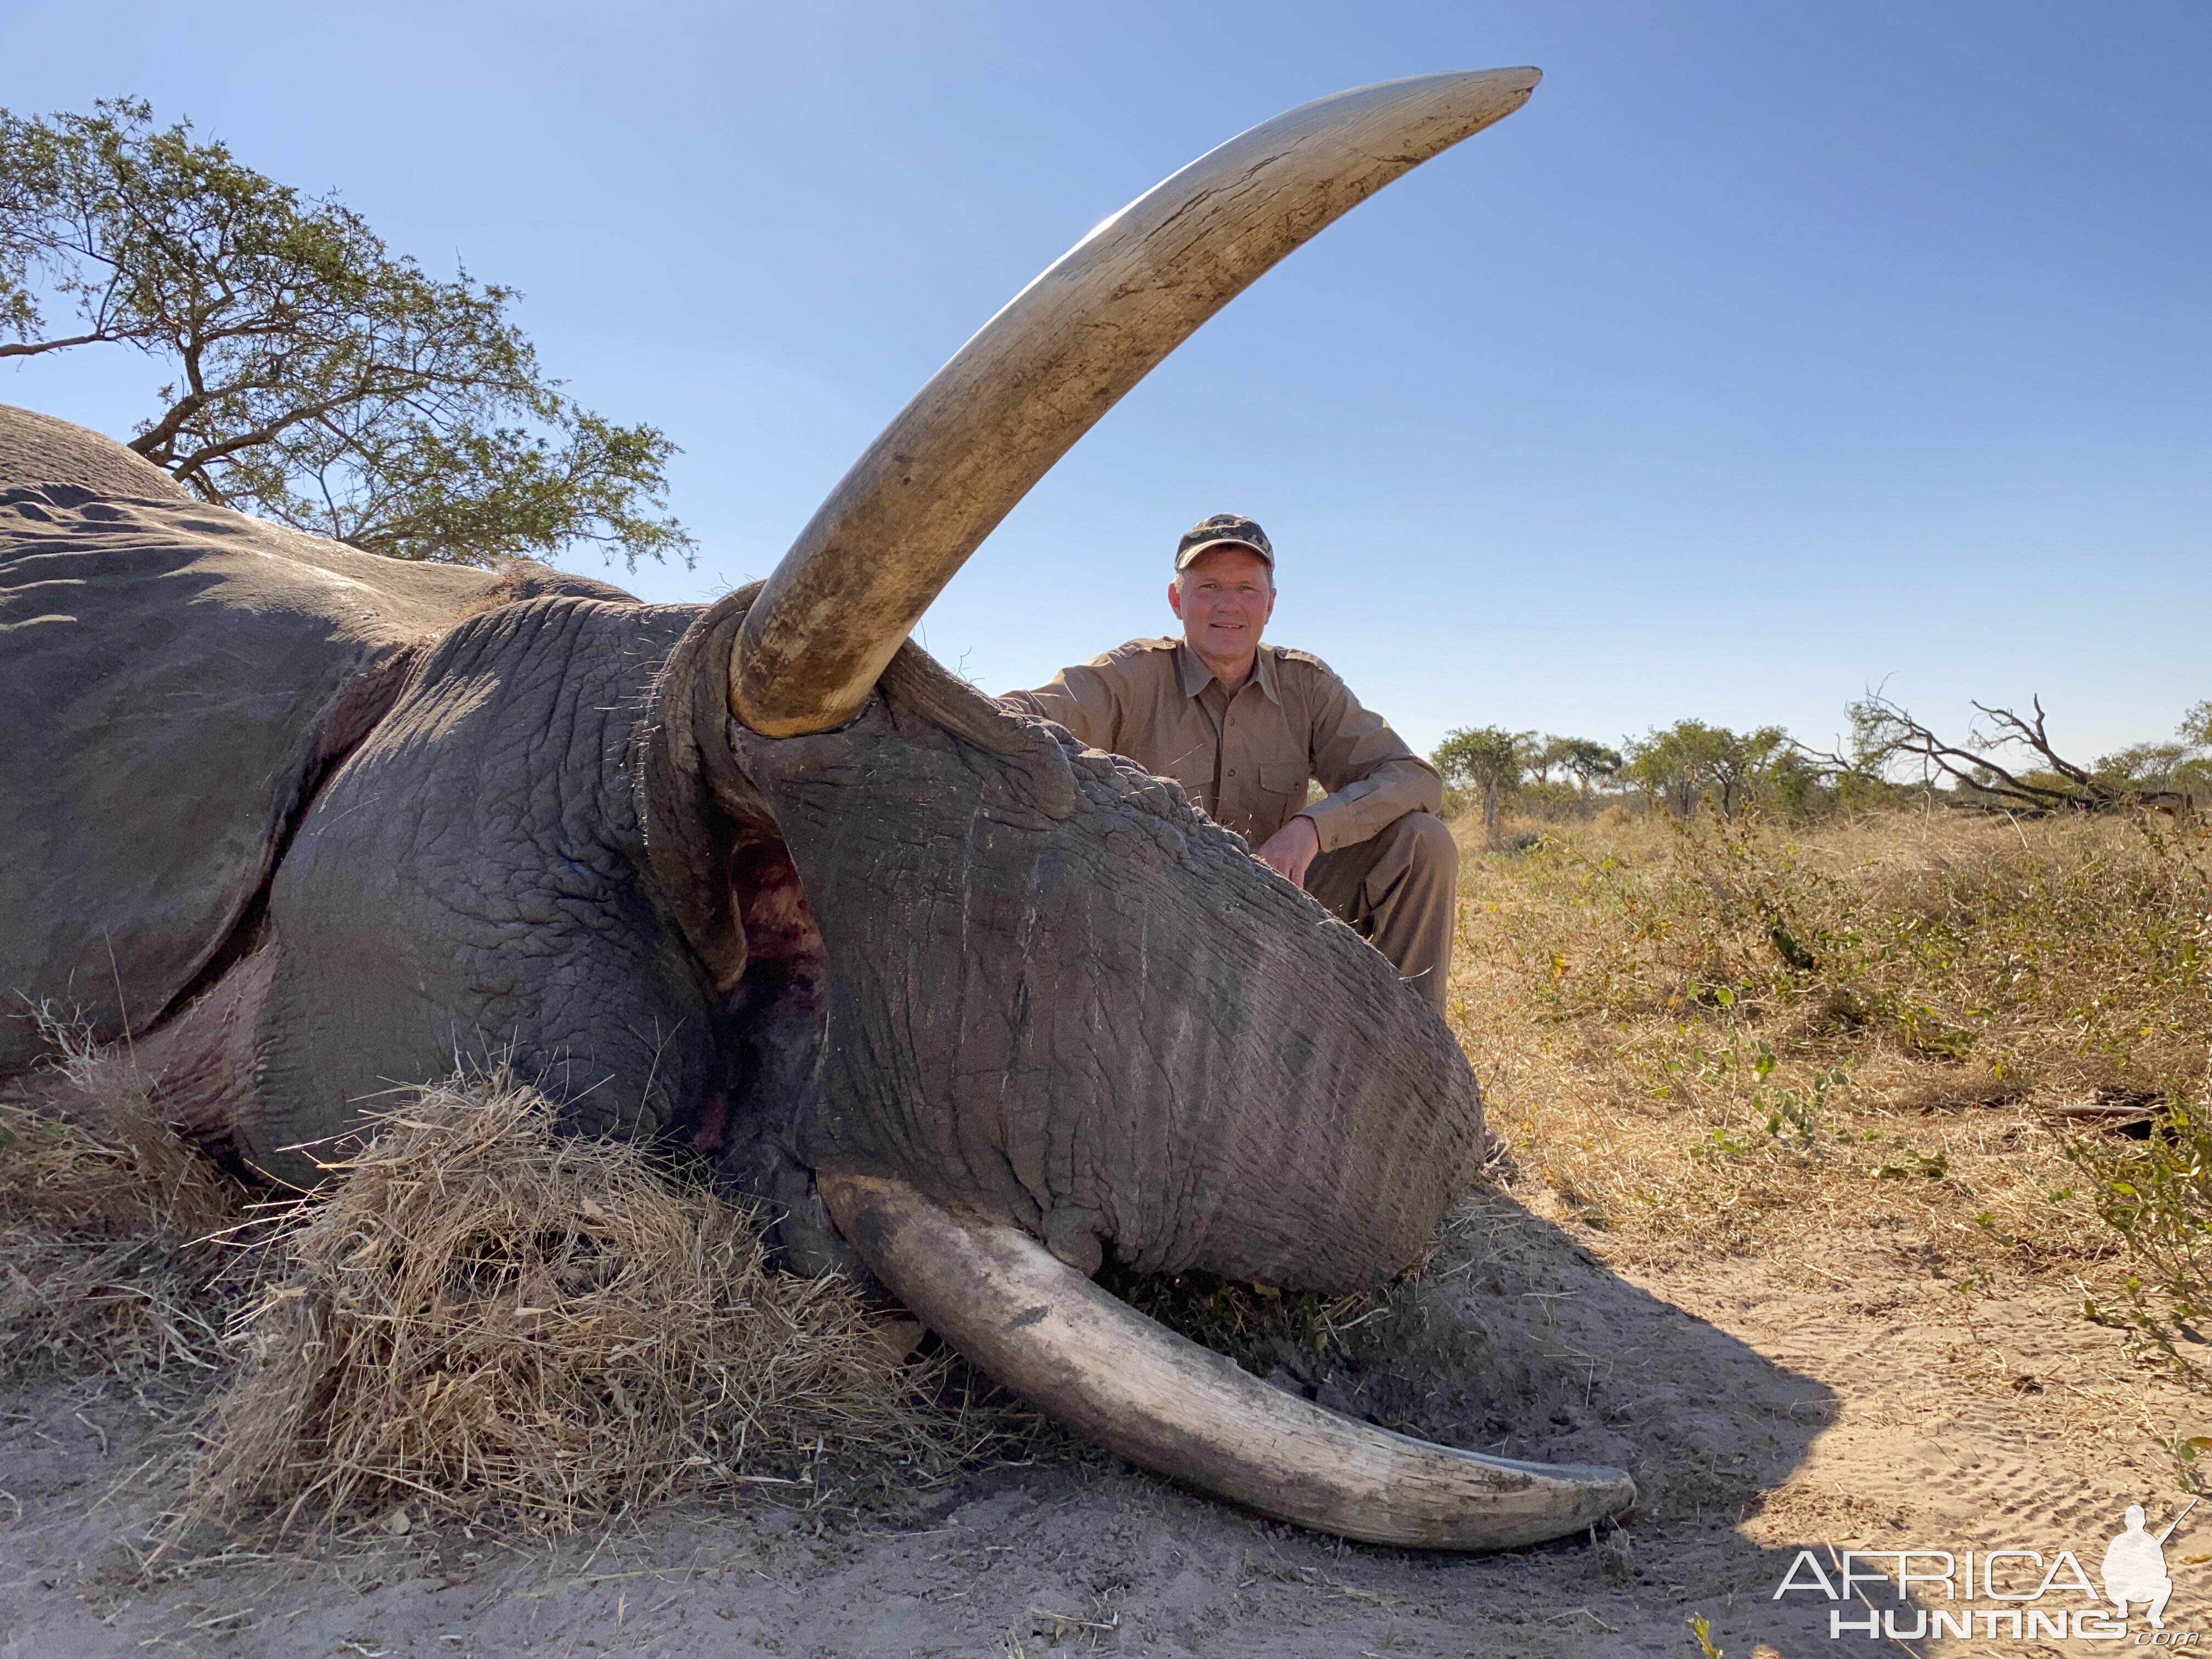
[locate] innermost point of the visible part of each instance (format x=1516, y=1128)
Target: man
x=1242, y=726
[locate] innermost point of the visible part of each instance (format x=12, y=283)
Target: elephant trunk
x=1043, y=372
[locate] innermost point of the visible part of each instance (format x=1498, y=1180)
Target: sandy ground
x=1854, y=1401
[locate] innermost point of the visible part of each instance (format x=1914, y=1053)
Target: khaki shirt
x=1245, y=758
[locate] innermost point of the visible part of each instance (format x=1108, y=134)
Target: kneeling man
x=1242, y=726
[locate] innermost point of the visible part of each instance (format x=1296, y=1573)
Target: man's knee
x=1429, y=844
x=1413, y=854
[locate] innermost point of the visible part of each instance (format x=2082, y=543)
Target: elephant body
x=180, y=680
x=359, y=824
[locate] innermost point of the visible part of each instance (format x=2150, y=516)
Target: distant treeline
x=2005, y=762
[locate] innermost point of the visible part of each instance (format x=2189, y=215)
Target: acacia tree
x=1581, y=758
x=319, y=379
x=1488, y=760
x=1690, y=759
x=1672, y=766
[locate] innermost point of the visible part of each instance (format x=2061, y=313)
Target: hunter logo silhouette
x=2133, y=1568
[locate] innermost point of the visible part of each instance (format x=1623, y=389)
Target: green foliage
x=2147, y=769
x=1791, y=1117
x=2182, y=767
x=319, y=379
x=1586, y=761
x=1495, y=766
x=1485, y=757
x=2195, y=728
x=1794, y=1113
x=2157, y=1194
x=1488, y=761
x=1913, y=1161
x=1691, y=760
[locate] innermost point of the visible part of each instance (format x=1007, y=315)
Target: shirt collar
x=1193, y=675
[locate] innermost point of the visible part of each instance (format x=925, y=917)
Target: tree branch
x=1886, y=731
x=33, y=348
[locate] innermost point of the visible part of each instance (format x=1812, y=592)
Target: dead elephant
x=314, y=825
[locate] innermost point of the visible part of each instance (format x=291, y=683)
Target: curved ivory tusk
x=1158, y=1400
x=1039, y=375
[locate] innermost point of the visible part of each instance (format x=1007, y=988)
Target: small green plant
x=1797, y=1110
x=1791, y=1117
x=2157, y=1194
x=1724, y=1145
x=1910, y=1161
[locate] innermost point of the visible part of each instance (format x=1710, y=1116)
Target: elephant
x=949, y=992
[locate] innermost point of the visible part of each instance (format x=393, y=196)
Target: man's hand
x=1291, y=849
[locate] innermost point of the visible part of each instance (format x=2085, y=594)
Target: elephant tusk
x=1041, y=374
x=1163, y=1402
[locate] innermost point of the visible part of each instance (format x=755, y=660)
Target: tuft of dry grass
x=484, y=1315
x=111, y=1252
x=1751, y=1038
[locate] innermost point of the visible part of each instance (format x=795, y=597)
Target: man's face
x=1225, y=598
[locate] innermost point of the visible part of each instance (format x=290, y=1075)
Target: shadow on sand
x=1519, y=1342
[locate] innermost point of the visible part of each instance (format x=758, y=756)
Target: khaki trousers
x=1397, y=890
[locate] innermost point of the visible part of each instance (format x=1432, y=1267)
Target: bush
x=2157, y=1194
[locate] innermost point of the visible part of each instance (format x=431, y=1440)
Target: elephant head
x=942, y=984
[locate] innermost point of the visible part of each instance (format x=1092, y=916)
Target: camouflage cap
x=1223, y=530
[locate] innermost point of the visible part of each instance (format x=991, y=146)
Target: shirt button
x=1232, y=771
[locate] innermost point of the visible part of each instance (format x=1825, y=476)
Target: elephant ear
x=177, y=679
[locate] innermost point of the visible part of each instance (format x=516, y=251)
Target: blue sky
x=1773, y=350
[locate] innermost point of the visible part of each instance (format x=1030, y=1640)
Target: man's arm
x=1080, y=699
x=1372, y=777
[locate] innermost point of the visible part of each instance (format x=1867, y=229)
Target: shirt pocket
x=1193, y=770
x=1284, y=778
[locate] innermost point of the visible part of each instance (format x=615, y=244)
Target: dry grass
x=109, y=1258
x=478, y=1316
x=485, y=1316
x=1713, y=1038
